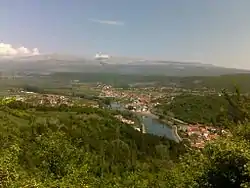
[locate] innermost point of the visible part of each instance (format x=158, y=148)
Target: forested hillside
x=72, y=147
x=194, y=109
x=204, y=109
x=43, y=146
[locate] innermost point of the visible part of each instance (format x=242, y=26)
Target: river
x=152, y=125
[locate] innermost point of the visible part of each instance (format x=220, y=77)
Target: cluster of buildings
x=122, y=119
x=130, y=122
x=138, y=105
x=38, y=99
x=42, y=99
x=107, y=91
x=200, y=134
x=135, y=99
x=49, y=100
x=54, y=100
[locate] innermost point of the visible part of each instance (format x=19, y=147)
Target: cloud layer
x=9, y=50
x=108, y=22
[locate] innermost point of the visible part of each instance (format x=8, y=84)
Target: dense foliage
x=224, y=162
x=72, y=147
x=194, y=109
x=208, y=109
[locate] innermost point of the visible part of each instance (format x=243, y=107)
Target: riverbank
x=168, y=123
x=165, y=123
x=152, y=123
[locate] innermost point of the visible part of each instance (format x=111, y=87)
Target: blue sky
x=211, y=31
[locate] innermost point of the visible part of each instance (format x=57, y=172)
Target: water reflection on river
x=152, y=126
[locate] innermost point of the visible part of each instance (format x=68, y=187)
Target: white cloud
x=109, y=22
x=9, y=50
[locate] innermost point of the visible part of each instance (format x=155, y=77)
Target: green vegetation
x=194, y=109
x=218, y=82
x=63, y=146
x=224, y=163
x=208, y=109
x=46, y=146
x=191, y=82
x=78, y=83
x=72, y=147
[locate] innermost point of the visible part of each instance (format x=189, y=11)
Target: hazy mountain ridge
x=122, y=65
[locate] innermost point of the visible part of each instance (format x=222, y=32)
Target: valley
x=113, y=125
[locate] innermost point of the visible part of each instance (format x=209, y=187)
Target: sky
x=208, y=31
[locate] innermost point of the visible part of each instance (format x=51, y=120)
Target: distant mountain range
x=122, y=65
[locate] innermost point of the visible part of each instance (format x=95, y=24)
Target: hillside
x=217, y=82
x=73, y=147
x=194, y=109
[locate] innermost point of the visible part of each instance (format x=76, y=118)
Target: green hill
x=70, y=147
x=194, y=109
x=217, y=82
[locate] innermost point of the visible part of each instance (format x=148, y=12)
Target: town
x=142, y=101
